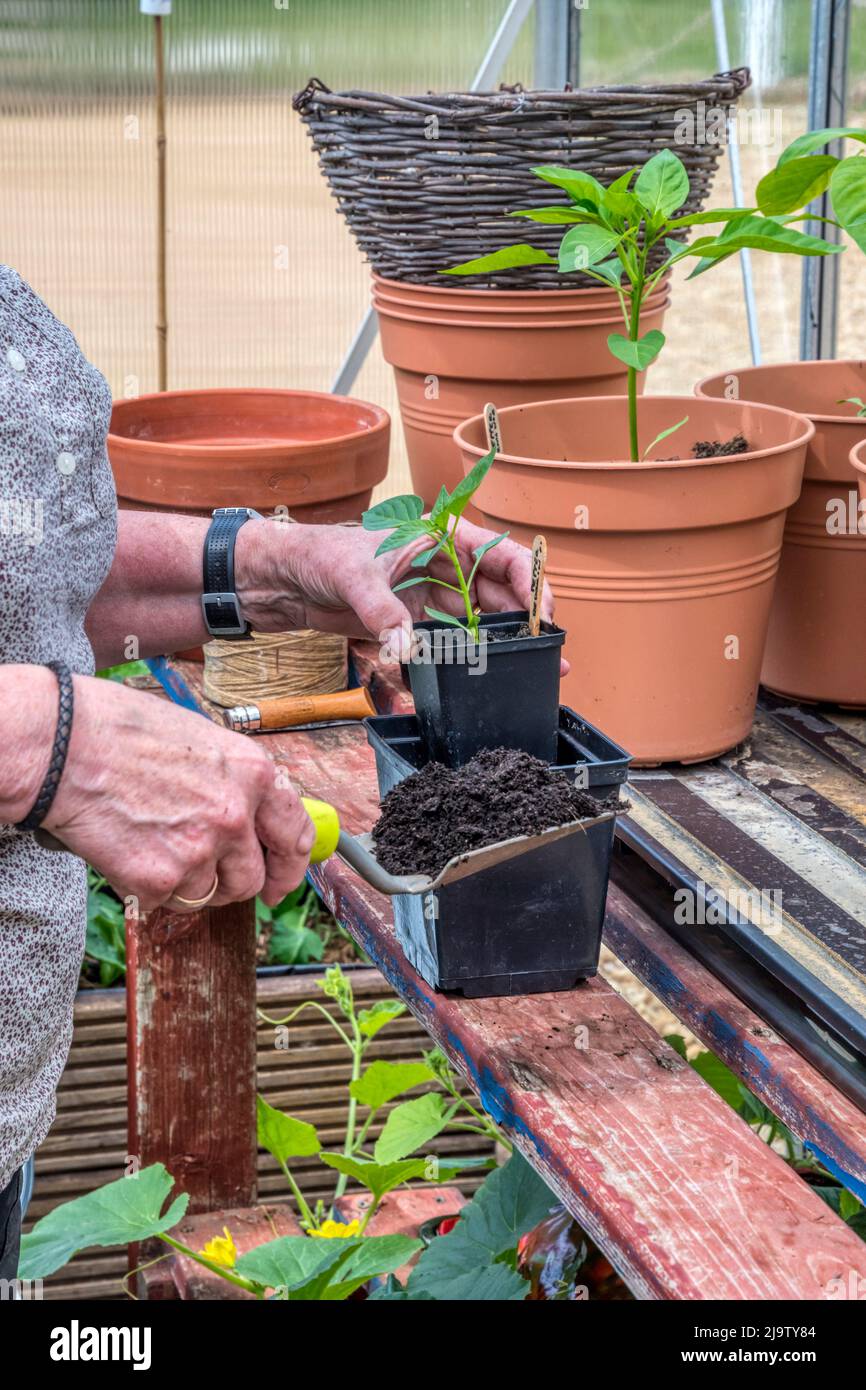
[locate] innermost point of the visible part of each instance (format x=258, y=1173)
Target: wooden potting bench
x=684, y=1198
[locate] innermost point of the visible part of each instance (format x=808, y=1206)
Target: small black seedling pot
x=502, y=692
x=520, y=917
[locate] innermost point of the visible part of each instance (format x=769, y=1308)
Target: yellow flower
x=221, y=1250
x=328, y=1229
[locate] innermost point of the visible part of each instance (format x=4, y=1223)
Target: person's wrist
x=269, y=596
x=31, y=702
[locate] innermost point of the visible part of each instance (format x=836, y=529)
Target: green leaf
x=761, y=234
x=814, y=139
x=410, y=583
x=404, y=535
x=424, y=559
x=699, y=219
x=720, y=1077
x=293, y=943
x=583, y=247
x=306, y=1267
x=662, y=185
x=848, y=191
x=510, y=1202
x=466, y=488
x=382, y=1081
x=580, y=187
x=439, y=617
x=640, y=354
x=677, y=1042
x=618, y=199
x=506, y=259
x=611, y=271
x=282, y=1135
x=120, y=1213
x=410, y=1126
x=664, y=434
x=795, y=184
x=553, y=214
x=372, y=1020
x=378, y=1178
x=441, y=501
x=393, y=512
x=854, y=400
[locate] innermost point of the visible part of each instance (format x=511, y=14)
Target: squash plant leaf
x=378, y=1178
x=506, y=259
x=410, y=1126
x=283, y=1136
x=122, y=1212
x=457, y=1266
x=640, y=354
x=372, y=1020
x=382, y=1081
x=393, y=512
x=302, y=1268
x=662, y=185
x=848, y=191
x=794, y=184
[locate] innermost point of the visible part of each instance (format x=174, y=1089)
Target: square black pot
x=502, y=692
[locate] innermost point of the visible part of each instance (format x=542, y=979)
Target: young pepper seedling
x=404, y=517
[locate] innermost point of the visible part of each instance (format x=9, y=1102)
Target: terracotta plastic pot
x=190, y=451
x=815, y=648
x=663, y=571
x=453, y=350
x=858, y=461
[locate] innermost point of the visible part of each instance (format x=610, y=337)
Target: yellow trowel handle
x=327, y=823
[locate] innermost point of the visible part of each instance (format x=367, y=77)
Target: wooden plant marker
x=491, y=428
x=539, y=564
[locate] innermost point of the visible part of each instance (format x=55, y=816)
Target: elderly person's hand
x=328, y=577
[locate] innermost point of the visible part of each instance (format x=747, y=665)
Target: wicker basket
x=425, y=182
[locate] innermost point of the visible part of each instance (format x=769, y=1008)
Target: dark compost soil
x=440, y=812
x=714, y=449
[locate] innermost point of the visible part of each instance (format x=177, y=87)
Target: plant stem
x=634, y=334
x=471, y=616
x=298, y=1195
x=214, y=1268
x=348, y=1148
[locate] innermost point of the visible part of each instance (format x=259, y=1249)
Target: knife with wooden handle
x=290, y=711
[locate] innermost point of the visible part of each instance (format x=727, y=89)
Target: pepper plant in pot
x=478, y=680
x=663, y=561
x=813, y=651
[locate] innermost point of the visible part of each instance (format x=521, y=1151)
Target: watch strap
x=219, y=601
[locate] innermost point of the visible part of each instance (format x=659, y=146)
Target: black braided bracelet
x=48, y=790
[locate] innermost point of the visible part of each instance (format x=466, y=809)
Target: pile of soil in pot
x=501, y=793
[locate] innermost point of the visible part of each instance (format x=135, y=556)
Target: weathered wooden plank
x=829, y=1124
x=191, y=1000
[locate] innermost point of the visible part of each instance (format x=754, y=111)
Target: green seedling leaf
x=814, y=139
x=664, y=435
x=611, y=271
x=511, y=1201
x=553, y=214
x=378, y=1178
x=480, y=551
x=506, y=259
x=848, y=191
x=410, y=583
x=404, y=535
x=761, y=234
x=426, y=556
x=438, y=616
x=306, y=1267
x=382, y=1081
x=699, y=219
x=583, y=247
x=410, y=1126
x=640, y=354
x=794, y=184
x=720, y=1077
x=293, y=943
x=465, y=489
x=282, y=1135
x=384, y=1011
x=580, y=187
x=854, y=400
x=441, y=501
x=619, y=201
x=120, y=1213
x=393, y=512
x=662, y=185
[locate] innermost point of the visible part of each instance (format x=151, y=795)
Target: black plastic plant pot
x=501, y=692
x=583, y=753
x=526, y=925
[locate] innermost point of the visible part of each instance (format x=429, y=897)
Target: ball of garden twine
x=275, y=664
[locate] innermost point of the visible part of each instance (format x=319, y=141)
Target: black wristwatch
x=219, y=601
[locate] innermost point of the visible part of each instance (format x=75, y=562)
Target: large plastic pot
x=190, y=451
x=453, y=350
x=663, y=571
x=816, y=647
